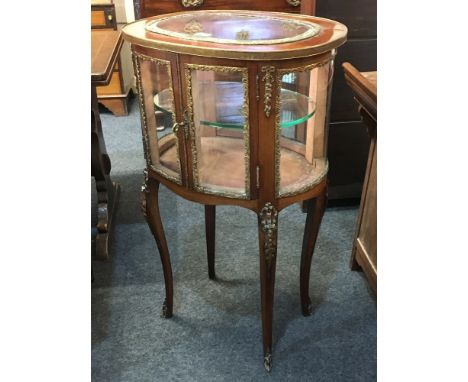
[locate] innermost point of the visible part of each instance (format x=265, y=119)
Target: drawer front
x=114, y=87
x=149, y=8
x=103, y=17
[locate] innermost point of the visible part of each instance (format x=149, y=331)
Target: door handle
x=184, y=124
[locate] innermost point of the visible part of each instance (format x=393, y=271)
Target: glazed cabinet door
x=161, y=112
x=216, y=98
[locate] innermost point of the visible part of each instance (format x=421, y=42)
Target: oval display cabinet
x=234, y=111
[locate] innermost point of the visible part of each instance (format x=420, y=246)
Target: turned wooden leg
x=210, y=230
x=150, y=208
x=315, y=211
x=267, y=235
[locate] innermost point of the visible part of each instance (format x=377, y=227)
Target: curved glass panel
x=301, y=134
x=233, y=28
x=161, y=144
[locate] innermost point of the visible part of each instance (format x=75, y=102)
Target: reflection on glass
x=163, y=108
x=220, y=142
x=158, y=102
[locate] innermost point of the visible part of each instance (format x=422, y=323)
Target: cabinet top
x=246, y=35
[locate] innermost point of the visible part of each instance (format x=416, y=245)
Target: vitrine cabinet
x=233, y=108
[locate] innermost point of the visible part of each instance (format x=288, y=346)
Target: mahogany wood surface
x=151, y=211
x=332, y=35
x=308, y=7
x=364, y=253
x=105, y=47
x=315, y=210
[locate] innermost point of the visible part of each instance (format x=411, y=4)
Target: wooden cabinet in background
x=114, y=95
x=364, y=255
x=147, y=8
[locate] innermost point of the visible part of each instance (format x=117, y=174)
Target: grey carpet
x=215, y=334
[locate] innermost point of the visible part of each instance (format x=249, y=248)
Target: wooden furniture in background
x=245, y=125
x=103, y=16
x=348, y=142
x=147, y=8
x=364, y=254
x=105, y=48
x=114, y=95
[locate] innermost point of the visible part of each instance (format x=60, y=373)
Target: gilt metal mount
x=192, y=3
x=268, y=79
x=269, y=223
x=144, y=191
x=267, y=362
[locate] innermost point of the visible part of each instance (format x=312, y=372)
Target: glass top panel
x=233, y=28
x=296, y=108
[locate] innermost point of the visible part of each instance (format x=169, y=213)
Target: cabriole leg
x=315, y=211
x=150, y=208
x=267, y=234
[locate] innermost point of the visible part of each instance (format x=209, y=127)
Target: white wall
x=124, y=11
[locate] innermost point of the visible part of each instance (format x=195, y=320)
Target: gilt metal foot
x=165, y=313
x=307, y=310
x=267, y=362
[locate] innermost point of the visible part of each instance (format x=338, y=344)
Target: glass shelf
x=296, y=108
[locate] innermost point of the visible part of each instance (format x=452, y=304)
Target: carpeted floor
x=215, y=334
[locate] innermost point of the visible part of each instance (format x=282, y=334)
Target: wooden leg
x=210, y=231
x=150, y=208
x=304, y=206
x=107, y=190
x=315, y=211
x=267, y=234
x=353, y=264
